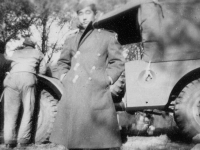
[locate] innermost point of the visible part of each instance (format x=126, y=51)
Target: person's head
x=86, y=11
x=29, y=42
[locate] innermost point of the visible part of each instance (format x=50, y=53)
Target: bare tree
x=15, y=18
x=49, y=12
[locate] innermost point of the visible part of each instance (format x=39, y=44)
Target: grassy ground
x=155, y=143
x=135, y=143
x=165, y=137
x=161, y=142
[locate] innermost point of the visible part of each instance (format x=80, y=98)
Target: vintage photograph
x=99, y=75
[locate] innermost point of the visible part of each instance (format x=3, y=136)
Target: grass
x=165, y=137
x=161, y=142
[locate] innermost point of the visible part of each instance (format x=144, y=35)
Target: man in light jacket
x=20, y=92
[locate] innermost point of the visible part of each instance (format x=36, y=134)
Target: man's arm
x=64, y=62
x=115, y=60
x=42, y=66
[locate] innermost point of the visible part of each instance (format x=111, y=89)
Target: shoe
x=23, y=145
x=8, y=146
x=57, y=147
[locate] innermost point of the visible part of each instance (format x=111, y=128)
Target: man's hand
x=62, y=76
x=110, y=80
x=118, y=86
x=42, y=67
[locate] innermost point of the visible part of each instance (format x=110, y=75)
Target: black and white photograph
x=99, y=74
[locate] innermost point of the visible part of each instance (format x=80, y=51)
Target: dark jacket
x=86, y=115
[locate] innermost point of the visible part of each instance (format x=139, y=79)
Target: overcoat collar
x=85, y=34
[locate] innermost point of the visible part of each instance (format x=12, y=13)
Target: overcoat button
x=75, y=78
x=76, y=66
x=77, y=53
x=98, y=54
x=116, y=36
x=93, y=68
x=90, y=78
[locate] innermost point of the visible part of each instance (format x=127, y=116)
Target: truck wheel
x=46, y=116
x=187, y=109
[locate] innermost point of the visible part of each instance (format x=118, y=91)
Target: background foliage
x=18, y=16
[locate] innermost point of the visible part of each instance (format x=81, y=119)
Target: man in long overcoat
x=90, y=62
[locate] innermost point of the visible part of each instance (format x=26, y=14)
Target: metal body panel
x=148, y=85
x=54, y=84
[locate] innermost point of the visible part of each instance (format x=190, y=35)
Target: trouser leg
x=11, y=111
x=28, y=100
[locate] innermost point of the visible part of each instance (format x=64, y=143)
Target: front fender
x=53, y=84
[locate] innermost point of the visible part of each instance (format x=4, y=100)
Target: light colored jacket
x=28, y=60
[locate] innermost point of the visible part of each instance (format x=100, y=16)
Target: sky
x=55, y=35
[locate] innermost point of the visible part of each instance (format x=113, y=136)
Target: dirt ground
x=166, y=136
x=154, y=142
x=161, y=142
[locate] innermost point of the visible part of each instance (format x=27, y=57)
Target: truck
x=167, y=77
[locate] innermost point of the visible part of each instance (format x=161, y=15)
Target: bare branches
x=17, y=16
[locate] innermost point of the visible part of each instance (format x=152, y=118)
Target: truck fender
x=53, y=84
x=182, y=82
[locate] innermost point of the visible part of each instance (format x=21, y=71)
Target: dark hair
x=28, y=42
x=93, y=8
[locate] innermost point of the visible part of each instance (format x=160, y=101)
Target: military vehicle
x=167, y=78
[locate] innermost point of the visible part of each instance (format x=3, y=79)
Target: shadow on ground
x=166, y=136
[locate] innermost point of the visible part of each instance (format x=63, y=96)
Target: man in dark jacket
x=20, y=88
x=90, y=62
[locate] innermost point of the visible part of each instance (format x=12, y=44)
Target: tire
x=46, y=117
x=187, y=109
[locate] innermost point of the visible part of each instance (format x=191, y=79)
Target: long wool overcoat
x=86, y=115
